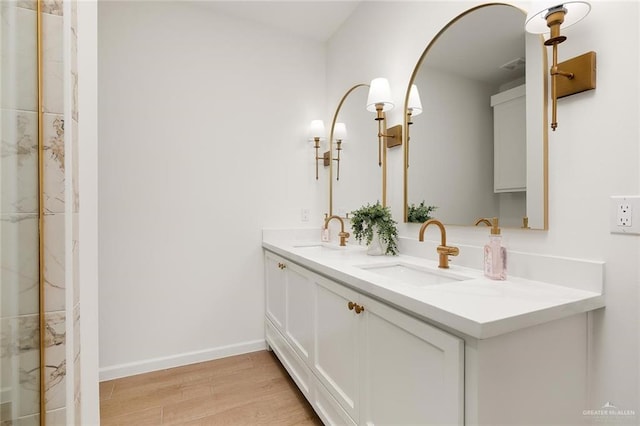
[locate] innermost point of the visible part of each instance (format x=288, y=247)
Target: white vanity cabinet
x=509, y=140
x=367, y=362
x=411, y=372
x=337, y=343
x=367, y=350
x=289, y=292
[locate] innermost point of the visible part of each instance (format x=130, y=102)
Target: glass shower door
x=19, y=213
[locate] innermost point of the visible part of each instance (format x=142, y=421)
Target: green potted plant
x=374, y=225
x=420, y=213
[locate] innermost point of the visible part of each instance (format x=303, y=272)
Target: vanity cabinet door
x=336, y=347
x=300, y=292
x=412, y=372
x=289, y=302
x=275, y=290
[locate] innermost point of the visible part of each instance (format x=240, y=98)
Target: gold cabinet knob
x=281, y=265
x=355, y=306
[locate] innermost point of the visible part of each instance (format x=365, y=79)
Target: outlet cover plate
x=624, y=216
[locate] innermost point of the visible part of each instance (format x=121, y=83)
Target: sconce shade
x=316, y=130
x=340, y=132
x=379, y=93
x=415, y=105
x=536, y=22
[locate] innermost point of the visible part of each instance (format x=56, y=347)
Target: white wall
x=593, y=154
x=203, y=127
x=462, y=187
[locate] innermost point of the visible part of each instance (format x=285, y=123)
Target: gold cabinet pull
x=281, y=265
x=355, y=306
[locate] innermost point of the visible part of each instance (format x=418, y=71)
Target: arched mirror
x=357, y=177
x=479, y=146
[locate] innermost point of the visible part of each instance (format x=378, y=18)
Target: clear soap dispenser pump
x=495, y=255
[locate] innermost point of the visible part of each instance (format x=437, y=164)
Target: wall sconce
x=379, y=101
x=317, y=134
x=414, y=107
x=340, y=135
x=579, y=73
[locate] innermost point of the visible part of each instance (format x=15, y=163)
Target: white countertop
x=478, y=306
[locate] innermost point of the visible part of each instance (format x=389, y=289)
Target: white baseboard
x=155, y=364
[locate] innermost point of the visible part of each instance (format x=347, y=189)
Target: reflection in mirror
x=360, y=176
x=479, y=149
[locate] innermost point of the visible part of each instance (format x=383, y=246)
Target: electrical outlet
x=304, y=215
x=625, y=215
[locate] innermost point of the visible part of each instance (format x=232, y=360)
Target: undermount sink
x=413, y=274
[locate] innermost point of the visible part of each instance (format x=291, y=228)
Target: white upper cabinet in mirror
x=479, y=147
x=360, y=180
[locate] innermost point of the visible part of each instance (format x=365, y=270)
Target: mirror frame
x=331, y=147
x=545, y=134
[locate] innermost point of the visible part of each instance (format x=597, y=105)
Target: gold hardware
x=339, y=132
x=338, y=148
x=317, y=133
x=579, y=72
x=358, y=308
x=443, y=250
x=317, y=148
x=493, y=223
x=483, y=220
x=41, y=212
x=394, y=136
x=525, y=223
x=326, y=159
x=337, y=159
x=343, y=235
x=583, y=70
x=281, y=265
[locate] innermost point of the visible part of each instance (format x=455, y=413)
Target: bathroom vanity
x=394, y=340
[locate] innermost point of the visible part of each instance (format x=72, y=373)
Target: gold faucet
x=483, y=220
x=343, y=235
x=444, y=251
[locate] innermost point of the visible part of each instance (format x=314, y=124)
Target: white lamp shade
x=379, y=93
x=536, y=22
x=316, y=130
x=340, y=132
x=414, y=105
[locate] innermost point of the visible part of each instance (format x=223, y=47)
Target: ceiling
x=317, y=20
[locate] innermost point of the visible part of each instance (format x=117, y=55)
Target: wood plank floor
x=249, y=389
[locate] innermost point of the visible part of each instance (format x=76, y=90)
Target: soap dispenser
x=495, y=255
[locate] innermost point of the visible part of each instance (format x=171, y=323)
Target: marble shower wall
x=19, y=252
x=19, y=211
x=60, y=190
x=75, y=208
